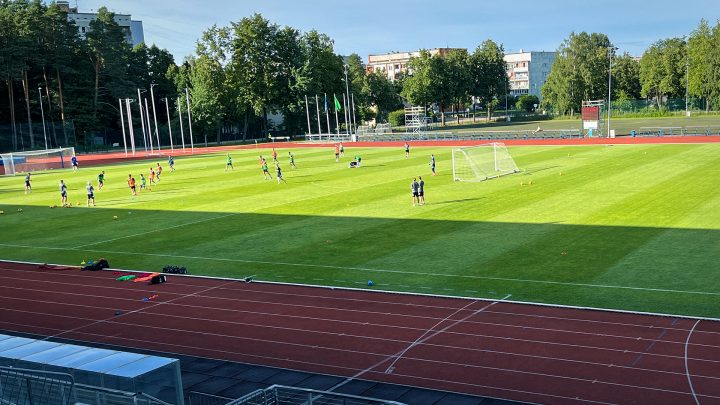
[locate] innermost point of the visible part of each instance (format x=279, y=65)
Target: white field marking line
x=321, y=266
x=441, y=346
x=572, y=319
x=132, y=312
x=154, y=230
x=440, y=362
x=365, y=371
x=632, y=338
x=687, y=370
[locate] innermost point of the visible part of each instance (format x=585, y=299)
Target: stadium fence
x=283, y=395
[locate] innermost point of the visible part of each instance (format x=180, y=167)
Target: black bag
x=97, y=265
x=174, y=270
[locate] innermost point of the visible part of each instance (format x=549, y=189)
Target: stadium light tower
x=42, y=113
x=611, y=53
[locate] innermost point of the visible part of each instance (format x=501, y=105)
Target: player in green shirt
x=229, y=163
x=143, y=182
x=266, y=171
x=101, y=180
x=292, y=160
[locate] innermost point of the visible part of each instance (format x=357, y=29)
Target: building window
x=82, y=29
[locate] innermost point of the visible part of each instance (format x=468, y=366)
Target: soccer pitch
x=633, y=227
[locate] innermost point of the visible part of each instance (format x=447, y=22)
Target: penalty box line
x=381, y=271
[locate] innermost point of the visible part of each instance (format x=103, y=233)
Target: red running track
x=489, y=348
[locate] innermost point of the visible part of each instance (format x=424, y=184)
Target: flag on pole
x=326, y=104
x=338, y=107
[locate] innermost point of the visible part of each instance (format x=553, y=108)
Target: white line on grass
x=687, y=370
x=417, y=273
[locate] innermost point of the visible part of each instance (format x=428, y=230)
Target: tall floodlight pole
x=187, y=97
x=122, y=124
x=182, y=133
x=147, y=117
x=142, y=120
x=347, y=113
x=130, y=124
x=152, y=98
x=347, y=91
x=687, y=87
x=307, y=113
x=167, y=111
x=317, y=108
x=353, y=113
x=42, y=113
x=611, y=53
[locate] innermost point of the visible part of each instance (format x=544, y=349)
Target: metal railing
x=29, y=387
x=200, y=398
x=283, y=395
x=678, y=131
x=20, y=386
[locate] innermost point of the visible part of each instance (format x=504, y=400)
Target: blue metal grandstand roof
x=110, y=362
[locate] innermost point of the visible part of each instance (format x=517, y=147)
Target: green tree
x=418, y=88
x=527, y=102
x=626, y=77
x=579, y=73
x=662, y=69
x=700, y=49
x=381, y=94
x=488, y=77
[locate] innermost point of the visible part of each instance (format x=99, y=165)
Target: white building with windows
x=397, y=62
x=528, y=71
x=133, y=29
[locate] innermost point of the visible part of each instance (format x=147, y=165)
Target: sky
x=380, y=26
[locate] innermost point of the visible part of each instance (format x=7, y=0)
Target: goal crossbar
x=38, y=160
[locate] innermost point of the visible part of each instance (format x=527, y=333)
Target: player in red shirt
x=131, y=184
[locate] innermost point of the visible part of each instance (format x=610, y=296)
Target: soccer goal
x=482, y=162
x=39, y=160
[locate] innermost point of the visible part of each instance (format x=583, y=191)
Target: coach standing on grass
x=414, y=187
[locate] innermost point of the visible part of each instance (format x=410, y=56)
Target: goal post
x=483, y=162
x=39, y=160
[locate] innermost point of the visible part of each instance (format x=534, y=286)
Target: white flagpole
x=346, y=115
x=307, y=113
x=167, y=111
x=182, y=132
x=337, y=123
x=147, y=116
x=142, y=120
x=122, y=124
x=317, y=107
x=187, y=97
x=327, y=113
x=130, y=125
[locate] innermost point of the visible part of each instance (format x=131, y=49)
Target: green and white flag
x=338, y=107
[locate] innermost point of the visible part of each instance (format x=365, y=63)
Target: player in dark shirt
x=90, y=194
x=74, y=161
x=28, y=187
x=432, y=164
x=278, y=173
x=414, y=189
x=101, y=180
x=63, y=193
x=421, y=191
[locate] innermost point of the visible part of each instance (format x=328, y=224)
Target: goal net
x=482, y=162
x=39, y=160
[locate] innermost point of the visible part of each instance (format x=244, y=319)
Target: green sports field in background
x=632, y=227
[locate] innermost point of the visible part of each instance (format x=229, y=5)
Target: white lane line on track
x=687, y=370
x=321, y=266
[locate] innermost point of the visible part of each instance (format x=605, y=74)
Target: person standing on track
x=28, y=187
x=63, y=193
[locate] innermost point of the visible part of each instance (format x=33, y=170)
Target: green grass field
x=628, y=227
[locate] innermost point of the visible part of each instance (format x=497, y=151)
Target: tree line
x=667, y=69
